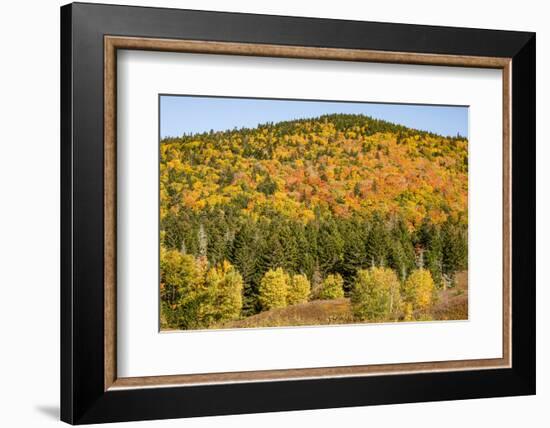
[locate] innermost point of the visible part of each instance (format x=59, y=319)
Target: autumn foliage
x=273, y=291
x=419, y=289
x=376, y=295
x=332, y=287
x=299, y=290
x=322, y=208
x=194, y=295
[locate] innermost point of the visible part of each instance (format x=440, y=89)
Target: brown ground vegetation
x=451, y=304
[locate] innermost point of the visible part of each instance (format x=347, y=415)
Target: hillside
x=341, y=164
x=319, y=196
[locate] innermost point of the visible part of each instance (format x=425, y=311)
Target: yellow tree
x=375, y=296
x=418, y=290
x=273, y=289
x=227, y=300
x=195, y=296
x=299, y=290
x=332, y=288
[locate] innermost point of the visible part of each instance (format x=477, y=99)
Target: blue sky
x=191, y=114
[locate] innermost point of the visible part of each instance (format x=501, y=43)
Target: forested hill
x=316, y=196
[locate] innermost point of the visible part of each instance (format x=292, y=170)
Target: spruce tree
x=401, y=254
x=309, y=252
x=430, y=243
x=455, y=249
x=243, y=257
x=377, y=245
x=215, y=229
x=287, y=235
x=354, y=254
x=330, y=246
x=271, y=249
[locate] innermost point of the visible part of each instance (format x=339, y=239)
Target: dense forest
x=334, y=207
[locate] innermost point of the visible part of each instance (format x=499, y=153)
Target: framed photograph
x=266, y=213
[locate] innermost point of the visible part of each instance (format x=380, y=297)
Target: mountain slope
x=319, y=196
x=342, y=164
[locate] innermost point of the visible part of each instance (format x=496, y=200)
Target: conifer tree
x=216, y=238
x=430, y=242
x=244, y=258
x=271, y=252
x=354, y=253
x=330, y=246
x=287, y=235
x=455, y=249
x=401, y=251
x=377, y=245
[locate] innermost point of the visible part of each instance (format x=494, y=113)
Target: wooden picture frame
x=91, y=390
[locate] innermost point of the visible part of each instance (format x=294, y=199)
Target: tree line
x=196, y=296
x=316, y=251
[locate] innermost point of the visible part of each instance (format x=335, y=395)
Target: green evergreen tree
x=244, y=258
x=309, y=252
x=430, y=247
x=377, y=245
x=330, y=246
x=354, y=234
x=271, y=252
x=401, y=252
x=287, y=235
x=455, y=249
x=216, y=230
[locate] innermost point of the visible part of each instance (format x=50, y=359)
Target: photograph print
x=280, y=213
